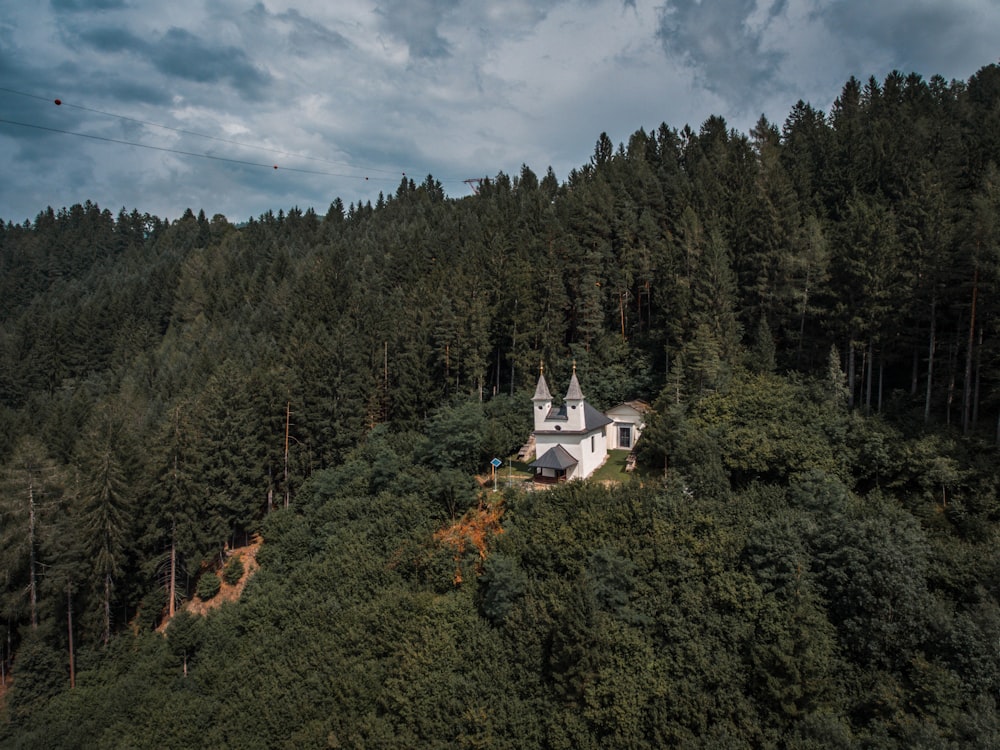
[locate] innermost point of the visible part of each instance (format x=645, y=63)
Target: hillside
x=809, y=559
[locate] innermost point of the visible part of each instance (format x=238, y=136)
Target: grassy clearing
x=613, y=469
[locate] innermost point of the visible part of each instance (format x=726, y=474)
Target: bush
x=208, y=586
x=233, y=571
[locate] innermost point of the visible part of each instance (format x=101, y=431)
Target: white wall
x=590, y=460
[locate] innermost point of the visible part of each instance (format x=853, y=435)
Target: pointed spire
x=574, y=393
x=542, y=389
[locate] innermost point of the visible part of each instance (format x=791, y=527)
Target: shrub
x=208, y=586
x=233, y=571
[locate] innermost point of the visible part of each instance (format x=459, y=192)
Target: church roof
x=542, y=390
x=555, y=457
x=639, y=407
x=592, y=420
x=574, y=393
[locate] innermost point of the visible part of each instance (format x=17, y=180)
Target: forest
x=806, y=556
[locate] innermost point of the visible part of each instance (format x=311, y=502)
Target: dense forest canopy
x=808, y=560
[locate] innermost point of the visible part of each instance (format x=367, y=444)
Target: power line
x=186, y=153
x=182, y=131
x=61, y=103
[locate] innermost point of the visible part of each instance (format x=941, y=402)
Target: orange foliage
x=473, y=529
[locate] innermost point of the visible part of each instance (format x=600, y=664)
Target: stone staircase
x=527, y=450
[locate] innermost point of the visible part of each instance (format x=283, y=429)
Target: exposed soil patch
x=227, y=592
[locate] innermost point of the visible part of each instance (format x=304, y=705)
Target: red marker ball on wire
x=58, y=102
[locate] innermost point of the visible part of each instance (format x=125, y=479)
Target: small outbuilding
x=628, y=422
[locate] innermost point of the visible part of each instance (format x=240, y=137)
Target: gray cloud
x=716, y=40
x=763, y=54
x=84, y=6
x=304, y=35
x=113, y=39
x=187, y=55
x=916, y=35
x=182, y=54
x=417, y=23
x=456, y=88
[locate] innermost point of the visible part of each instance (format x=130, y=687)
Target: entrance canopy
x=557, y=458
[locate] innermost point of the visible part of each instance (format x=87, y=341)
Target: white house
x=628, y=422
x=571, y=440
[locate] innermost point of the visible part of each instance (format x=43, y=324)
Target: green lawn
x=613, y=469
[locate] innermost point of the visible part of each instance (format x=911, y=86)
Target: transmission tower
x=475, y=183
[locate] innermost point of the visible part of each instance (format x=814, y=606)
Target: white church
x=572, y=440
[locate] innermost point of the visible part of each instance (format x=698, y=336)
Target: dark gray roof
x=574, y=393
x=592, y=420
x=542, y=390
x=555, y=457
x=557, y=412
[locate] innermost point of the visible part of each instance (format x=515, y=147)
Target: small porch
x=554, y=466
x=541, y=478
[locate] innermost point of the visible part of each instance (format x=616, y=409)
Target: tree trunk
x=69, y=629
x=513, y=350
x=32, y=579
x=870, y=360
x=288, y=419
x=930, y=362
x=107, y=608
x=881, y=379
x=952, y=367
x=621, y=311
x=975, y=389
x=802, y=320
x=967, y=384
x=496, y=382
x=850, y=374
x=172, y=583
x=9, y=653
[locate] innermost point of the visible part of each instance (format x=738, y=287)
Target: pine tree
x=105, y=507
x=31, y=486
x=762, y=353
x=174, y=523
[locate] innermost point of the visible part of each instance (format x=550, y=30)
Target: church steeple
x=542, y=399
x=574, y=393
x=574, y=403
x=542, y=389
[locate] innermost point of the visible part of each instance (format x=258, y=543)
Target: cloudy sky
x=191, y=103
